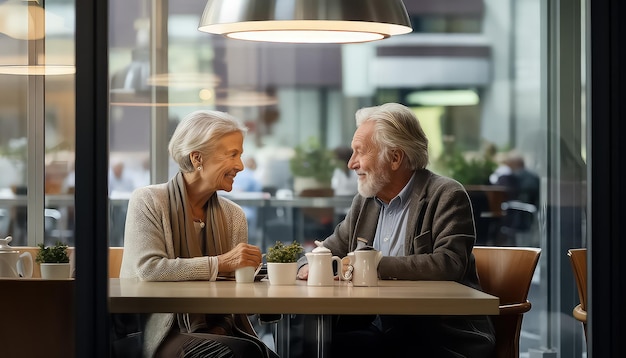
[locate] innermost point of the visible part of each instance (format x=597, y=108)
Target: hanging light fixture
x=24, y=19
x=306, y=21
x=233, y=97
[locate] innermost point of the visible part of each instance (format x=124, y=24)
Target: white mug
x=365, y=267
x=245, y=274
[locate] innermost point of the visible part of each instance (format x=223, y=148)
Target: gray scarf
x=212, y=241
x=186, y=242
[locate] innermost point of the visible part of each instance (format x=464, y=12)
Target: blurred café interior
x=502, y=89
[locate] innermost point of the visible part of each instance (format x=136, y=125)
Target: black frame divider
x=607, y=272
x=91, y=195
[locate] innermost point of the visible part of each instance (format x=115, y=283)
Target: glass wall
x=484, y=79
x=37, y=116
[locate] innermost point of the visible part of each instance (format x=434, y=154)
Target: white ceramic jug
x=12, y=263
x=365, y=266
x=321, y=267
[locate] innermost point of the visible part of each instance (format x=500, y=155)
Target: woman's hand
x=240, y=256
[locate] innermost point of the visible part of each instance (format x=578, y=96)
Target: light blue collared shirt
x=392, y=222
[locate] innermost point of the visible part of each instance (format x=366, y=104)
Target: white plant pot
x=55, y=271
x=282, y=273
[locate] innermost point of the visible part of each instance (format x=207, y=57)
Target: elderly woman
x=182, y=230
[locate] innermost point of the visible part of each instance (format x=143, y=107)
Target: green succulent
x=56, y=254
x=284, y=253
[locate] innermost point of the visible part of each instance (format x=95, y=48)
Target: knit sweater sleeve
x=148, y=245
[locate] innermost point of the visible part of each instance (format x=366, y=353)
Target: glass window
x=37, y=120
x=485, y=81
x=474, y=78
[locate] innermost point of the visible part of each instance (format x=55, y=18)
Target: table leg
x=323, y=335
x=282, y=337
x=323, y=330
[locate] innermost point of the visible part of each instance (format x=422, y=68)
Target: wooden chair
x=115, y=261
x=506, y=272
x=578, y=258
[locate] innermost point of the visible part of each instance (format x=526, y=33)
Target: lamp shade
x=306, y=21
x=27, y=20
x=23, y=20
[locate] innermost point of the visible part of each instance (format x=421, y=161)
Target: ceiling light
x=245, y=98
x=183, y=80
x=25, y=19
x=306, y=21
x=443, y=98
x=42, y=70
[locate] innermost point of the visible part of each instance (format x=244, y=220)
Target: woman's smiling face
x=225, y=162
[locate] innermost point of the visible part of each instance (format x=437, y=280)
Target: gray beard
x=373, y=184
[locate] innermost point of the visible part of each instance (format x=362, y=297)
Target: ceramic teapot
x=364, y=264
x=321, y=267
x=12, y=263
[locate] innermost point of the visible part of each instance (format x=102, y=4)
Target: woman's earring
x=199, y=167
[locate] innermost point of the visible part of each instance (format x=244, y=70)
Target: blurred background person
x=119, y=182
x=527, y=181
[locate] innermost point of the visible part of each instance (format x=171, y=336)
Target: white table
x=390, y=297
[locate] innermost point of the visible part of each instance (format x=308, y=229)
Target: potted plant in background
x=312, y=166
x=54, y=261
x=282, y=265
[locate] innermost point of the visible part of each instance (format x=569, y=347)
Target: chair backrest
x=506, y=272
x=578, y=259
x=115, y=261
x=518, y=216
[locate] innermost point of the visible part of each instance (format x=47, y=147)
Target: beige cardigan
x=149, y=251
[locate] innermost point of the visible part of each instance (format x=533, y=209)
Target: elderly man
x=423, y=224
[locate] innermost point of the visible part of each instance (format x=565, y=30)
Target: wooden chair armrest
x=515, y=308
x=580, y=314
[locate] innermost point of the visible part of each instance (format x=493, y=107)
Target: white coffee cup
x=245, y=274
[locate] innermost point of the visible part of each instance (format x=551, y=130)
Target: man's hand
x=303, y=272
x=346, y=268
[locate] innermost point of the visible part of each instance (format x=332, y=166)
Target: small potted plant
x=282, y=265
x=54, y=261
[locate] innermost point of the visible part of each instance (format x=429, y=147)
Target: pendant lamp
x=24, y=19
x=306, y=21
